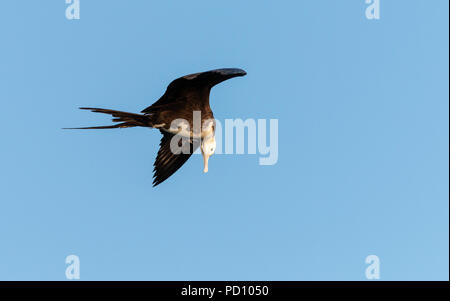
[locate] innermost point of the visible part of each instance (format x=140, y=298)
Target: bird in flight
x=184, y=118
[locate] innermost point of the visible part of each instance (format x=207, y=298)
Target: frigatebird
x=174, y=115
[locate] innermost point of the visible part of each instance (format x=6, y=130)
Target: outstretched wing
x=193, y=88
x=167, y=162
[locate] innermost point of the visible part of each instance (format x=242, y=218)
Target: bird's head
x=208, y=148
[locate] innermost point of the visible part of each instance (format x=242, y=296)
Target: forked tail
x=127, y=120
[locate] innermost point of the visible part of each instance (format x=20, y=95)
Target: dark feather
x=127, y=120
x=167, y=163
x=114, y=126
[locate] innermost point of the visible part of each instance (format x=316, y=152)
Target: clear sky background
x=363, y=141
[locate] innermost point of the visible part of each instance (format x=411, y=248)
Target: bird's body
x=184, y=113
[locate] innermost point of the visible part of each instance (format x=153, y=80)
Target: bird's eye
x=212, y=149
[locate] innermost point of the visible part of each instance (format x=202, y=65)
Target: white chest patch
x=182, y=128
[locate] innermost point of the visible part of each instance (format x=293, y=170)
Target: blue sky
x=363, y=141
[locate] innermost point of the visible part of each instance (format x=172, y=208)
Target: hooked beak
x=205, y=162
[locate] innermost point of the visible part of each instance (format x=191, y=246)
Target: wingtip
x=90, y=109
